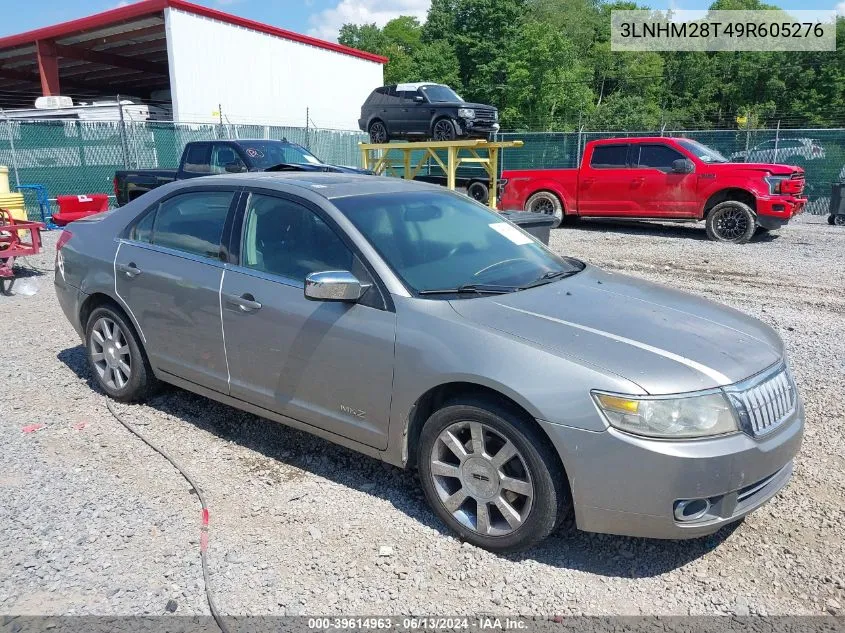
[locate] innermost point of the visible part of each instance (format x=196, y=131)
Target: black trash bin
x=537, y=224
x=837, y=204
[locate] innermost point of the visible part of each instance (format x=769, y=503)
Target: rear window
x=198, y=159
x=609, y=156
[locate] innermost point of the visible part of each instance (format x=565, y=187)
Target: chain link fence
x=80, y=157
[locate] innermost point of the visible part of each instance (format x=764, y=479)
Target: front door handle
x=245, y=302
x=130, y=270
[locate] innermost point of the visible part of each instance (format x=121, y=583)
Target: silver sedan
x=418, y=327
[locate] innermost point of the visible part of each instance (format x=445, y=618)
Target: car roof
x=327, y=185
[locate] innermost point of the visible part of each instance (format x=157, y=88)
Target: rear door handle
x=245, y=302
x=130, y=270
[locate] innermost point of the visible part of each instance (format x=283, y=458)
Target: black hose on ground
x=204, y=535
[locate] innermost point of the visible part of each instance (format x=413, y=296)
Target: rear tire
x=378, y=132
x=731, y=221
x=839, y=220
x=547, y=203
x=479, y=192
x=501, y=506
x=117, y=361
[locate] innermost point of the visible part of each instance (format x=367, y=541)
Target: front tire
x=731, y=221
x=444, y=130
x=490, y=476
x=547, y=203
x=118, y=363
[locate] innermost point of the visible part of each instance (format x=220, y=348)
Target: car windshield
x=266, y=154
x=440, y=94
x=702, y=152
x=438, y=242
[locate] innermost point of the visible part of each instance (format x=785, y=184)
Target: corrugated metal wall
x=260, y=78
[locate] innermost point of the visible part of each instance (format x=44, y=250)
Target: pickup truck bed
x=129, y=184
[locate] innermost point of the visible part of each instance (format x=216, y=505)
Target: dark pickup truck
x=205, y=158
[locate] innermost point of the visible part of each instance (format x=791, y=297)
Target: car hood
x=772, y=168
x=664, y=340
x=463, y=104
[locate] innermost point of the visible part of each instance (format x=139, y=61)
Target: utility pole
x=123, y=142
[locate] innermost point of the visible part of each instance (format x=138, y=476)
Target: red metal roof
x=147, y=7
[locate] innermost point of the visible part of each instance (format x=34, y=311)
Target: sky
x=320, y=18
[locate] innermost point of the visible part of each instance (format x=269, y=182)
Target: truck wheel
x=490, y=477
x=479, y=191
x=547, y=203
x=731, y=221
x=839, y=220
x=378, y=133
x=444, y=130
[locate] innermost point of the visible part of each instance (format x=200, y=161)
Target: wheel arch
x=547, y=189
x=377, y=119
x=437, y=396
x=439, y=116
x=100, y=299
x=730, y=193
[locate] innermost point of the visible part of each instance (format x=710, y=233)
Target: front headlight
x=682, y=417
x=466, y=113
x=774, y=183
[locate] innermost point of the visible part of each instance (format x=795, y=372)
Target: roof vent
x=53, y=103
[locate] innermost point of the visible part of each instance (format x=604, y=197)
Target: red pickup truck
x=662, y=178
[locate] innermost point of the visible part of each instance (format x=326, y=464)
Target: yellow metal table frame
x=379, y=158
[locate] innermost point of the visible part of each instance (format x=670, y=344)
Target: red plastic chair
x=76, y=207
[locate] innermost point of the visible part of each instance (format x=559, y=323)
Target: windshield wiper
x=549, y=277
x=479, y=289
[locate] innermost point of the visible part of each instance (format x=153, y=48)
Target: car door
x=168, y=270
x=327, y=364
x=391, y=108
x=604, y=183
x=416, y=115
x=655, y=188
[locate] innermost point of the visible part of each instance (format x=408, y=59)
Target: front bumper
x=775, y=211
x=623, y=484
x=471, y=127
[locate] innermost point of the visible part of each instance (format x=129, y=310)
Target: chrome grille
x=485, y=115
x=769, y=402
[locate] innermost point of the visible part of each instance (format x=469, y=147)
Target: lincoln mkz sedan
x=416, y=326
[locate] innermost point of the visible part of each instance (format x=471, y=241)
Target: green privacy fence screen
x=78, y=157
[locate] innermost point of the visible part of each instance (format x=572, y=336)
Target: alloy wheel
x=378, y=133
x=839, y=220
x=110, y=353
x=443, y=130
x=481, y=478
x=543, y=205
x=731, y=223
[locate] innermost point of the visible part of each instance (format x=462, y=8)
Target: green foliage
x=547, y=65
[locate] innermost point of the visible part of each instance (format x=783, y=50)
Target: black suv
x=431, y=111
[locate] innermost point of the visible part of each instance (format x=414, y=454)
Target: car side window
x=191, y=222
x=197, y=159
x=408, y=96
x=391, y=97
x=284, y=238
x=657, y=156
x=223, y=156
x=143, y=229
x=609, y=157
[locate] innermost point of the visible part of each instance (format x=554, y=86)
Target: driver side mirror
x=683, y=166
x=334, y=285
x=419, y=99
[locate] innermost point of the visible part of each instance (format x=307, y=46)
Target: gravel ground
x=95, y=522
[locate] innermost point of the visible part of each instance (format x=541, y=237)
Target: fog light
x=691, y=509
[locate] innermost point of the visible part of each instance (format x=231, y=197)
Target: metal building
x=204, y=64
